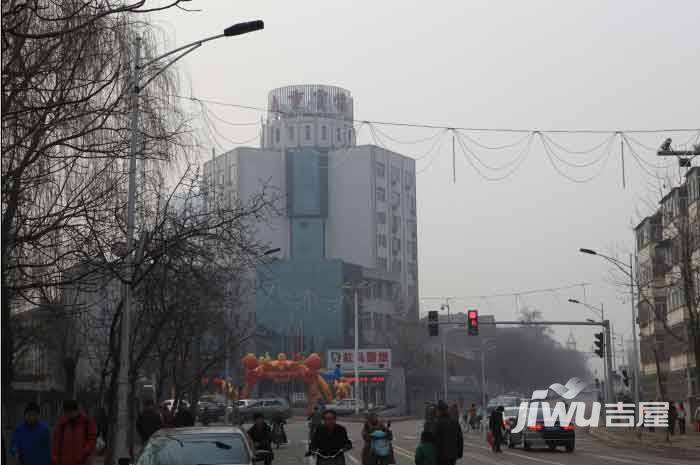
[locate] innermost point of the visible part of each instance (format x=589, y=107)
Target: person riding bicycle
x=261, y=436
x=329, y=441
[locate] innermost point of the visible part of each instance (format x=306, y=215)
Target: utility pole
x=356, y=367
x=608, y=359
x=444, y=352
x=634, y=336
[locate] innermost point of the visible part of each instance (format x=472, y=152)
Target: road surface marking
x=351, y=457
x=484, y=458
x=411, y=437
x=635, y=461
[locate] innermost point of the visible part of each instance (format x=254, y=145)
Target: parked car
x=270, y=408
x=541, y=435
x=211, y=408
x=169, y=404
x=213, y=445
x=344, y=407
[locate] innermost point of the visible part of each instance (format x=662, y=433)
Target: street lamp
x=628, y=270
x=356, y=366
x=135, y=87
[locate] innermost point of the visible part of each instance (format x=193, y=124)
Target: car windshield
x=195, y=450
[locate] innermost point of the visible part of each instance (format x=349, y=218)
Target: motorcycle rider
x=261, y=436
x=330, y=440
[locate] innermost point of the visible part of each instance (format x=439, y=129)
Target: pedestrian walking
x=449, y=442
x=31, y=441
x=102, y=422
x=454, y=411
x=371, y=425
x=149, y=421
x=672, y=418
x=681, y=418
x=496, y=428
x=74, y=437
x=425, y=452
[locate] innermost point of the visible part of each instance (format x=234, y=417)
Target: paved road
x=588, y=450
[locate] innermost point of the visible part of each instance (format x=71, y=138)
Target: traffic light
x=433, y=328
x=473, y=323
x=625, y=377
x=599, y=344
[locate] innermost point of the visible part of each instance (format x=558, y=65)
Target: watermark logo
x=563, y=414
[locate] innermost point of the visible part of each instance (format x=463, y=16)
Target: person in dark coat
x=149, y=421
x=31, y=441
x=183, y=418
x=329, y=439
x=496, y=428
x=371, y=425
x=449, y=441
x=261, y=436
x=430, y=419
x=102, y=422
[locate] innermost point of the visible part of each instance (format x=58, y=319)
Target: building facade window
x=381, y=194
x=290, y=132
x=395, y=224
x=324, y=133
x=307, y=132
x=395, y=176
x=381, y=170
x=395, y=200
x=277, y=135
x=381, y=240
x=337, y=134
x=381, y=218
x=395, y=245
x=381, y=263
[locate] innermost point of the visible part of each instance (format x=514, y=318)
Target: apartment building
x=347, y=214
x=667, y=257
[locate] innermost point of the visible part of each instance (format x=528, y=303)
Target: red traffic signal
x=473, y=322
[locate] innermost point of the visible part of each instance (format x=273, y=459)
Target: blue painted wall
x=301, y=292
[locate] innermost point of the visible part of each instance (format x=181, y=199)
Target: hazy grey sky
x=523, y=64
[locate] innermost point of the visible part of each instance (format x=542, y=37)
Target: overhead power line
x=449, y=127
x=509, y=294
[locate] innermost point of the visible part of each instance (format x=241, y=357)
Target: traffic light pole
x=608, y=359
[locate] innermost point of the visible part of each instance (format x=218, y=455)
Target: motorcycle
x=381, y=446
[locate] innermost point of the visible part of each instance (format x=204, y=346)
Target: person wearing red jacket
x=74, y=437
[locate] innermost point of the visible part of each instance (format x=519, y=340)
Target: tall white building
x=347, y=215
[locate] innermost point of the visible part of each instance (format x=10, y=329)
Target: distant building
x=347, y=215
x=666, y=362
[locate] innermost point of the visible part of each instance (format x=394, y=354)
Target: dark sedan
x=541, y=435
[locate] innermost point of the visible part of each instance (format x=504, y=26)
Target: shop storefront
x=375, y=374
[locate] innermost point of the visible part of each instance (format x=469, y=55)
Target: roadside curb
x=667, y=450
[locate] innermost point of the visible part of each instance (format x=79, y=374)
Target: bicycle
x=335, y=459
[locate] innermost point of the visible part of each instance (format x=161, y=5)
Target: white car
x=201, y=445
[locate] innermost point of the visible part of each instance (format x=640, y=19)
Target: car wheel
x=552, y=446
x=570, y=446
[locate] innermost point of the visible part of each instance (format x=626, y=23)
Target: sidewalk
x=685, y=446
